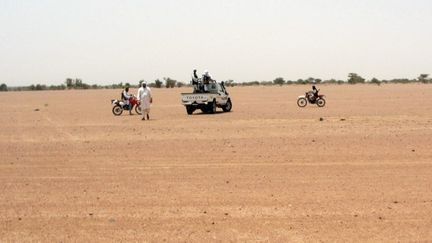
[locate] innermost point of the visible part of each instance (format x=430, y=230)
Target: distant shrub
x=230, y=83
x=375, y=81
x=279, y=81
x=354, y=78
x=3, y=87
x=424, y=78
x=266, y=83
x=180, y=84
x=158, y=83
x=170, y=83
x=252, y=83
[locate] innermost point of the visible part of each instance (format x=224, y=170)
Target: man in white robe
x=145, y=96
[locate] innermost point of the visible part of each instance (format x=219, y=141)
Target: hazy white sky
x=107, y=41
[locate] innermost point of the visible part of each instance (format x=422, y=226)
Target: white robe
x=145, y=96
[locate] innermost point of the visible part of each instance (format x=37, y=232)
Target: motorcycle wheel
x=321, y=102
x=117, y=110
x=138, y=109
x=301, y=102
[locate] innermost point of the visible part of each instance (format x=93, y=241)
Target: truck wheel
x=189, y=109
x=227, y=107
x=212, y=107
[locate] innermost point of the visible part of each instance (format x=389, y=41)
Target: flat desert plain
x=268, y=171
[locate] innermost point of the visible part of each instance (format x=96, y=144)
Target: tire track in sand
x=60, y=130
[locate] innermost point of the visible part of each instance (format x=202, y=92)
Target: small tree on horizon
x=180, y=84
x=229, y=83
x=310, y=80
x=354, y=78
x=170, y=83
x=375, y=81
x=279, y=81
x=423, y=78
x=158, y=83
x=76, y=83
x=69, y=83
x=3, y=87
x=301, y=81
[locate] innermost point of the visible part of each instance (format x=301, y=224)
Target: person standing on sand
x=145, y=96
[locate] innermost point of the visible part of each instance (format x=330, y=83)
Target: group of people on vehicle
x=144, y=95
x=201, y=85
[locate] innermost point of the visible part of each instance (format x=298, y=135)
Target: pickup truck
x=207, y=102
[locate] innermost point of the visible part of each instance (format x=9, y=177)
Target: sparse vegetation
x=3, y=87
x=353, y=78
x=158, y=83
x=279, y=81
x=252, y=83
x=230, y=83
x=180, y=84
x=424, y=78
x=170, y=83
x=76, y=84
x=375, y=81
x=266, y=83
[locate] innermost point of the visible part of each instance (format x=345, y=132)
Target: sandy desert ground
x=266, y=172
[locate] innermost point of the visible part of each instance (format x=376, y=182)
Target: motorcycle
x=119, y=106
x=309, y=97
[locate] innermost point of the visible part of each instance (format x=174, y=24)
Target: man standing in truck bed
x=206, y=80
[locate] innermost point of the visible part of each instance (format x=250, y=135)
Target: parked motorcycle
x=309, y=97
x=119, y=106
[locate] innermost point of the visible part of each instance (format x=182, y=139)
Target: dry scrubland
x=268, y=171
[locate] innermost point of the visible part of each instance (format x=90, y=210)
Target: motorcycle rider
x=126, y=96
x=313, y=94
x=315, y=91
